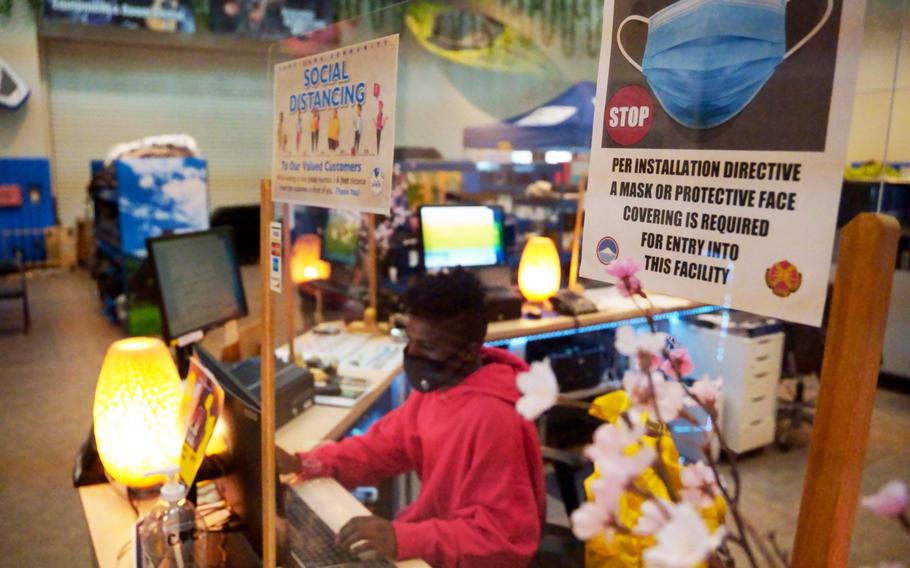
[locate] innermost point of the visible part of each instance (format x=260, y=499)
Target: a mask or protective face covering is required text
x=705, y=60
x=426, y=375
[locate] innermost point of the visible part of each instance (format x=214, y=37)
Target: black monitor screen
x=461, y=235
x=198, y=280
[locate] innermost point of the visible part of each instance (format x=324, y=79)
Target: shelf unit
x=141, y=204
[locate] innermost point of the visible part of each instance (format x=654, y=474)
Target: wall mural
x=574, y=24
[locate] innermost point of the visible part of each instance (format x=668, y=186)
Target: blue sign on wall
x=23, y=220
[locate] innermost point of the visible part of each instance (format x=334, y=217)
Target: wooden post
x=267, y=377
x=372, y=264
x=853, y=349
x=288, y=284
x=576, y=236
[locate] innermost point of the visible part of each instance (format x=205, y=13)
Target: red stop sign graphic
x=629, y=114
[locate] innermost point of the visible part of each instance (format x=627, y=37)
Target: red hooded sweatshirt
x=482, y=498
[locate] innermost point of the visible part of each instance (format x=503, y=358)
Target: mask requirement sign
x=334, y=128
x=720, y=134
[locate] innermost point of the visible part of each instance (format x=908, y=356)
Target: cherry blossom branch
x=781, y=553
x=733, y=501
x=760, y=544
x=659, y=467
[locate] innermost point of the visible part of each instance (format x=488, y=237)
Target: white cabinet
x=750, y=368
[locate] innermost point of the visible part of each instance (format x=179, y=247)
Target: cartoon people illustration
x=334, y=132
x=299, y=130
x=379, y=123
x=358, y=127
x=280, y=129
x=314, y=131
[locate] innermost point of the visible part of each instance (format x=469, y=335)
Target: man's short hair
x=453, y=298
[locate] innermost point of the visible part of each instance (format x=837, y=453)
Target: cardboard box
x=60, y=243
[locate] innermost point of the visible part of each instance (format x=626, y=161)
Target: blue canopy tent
x=563, y=123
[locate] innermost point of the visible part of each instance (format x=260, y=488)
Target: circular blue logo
x=607, y=250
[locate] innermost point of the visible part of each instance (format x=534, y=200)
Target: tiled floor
x=47, y=381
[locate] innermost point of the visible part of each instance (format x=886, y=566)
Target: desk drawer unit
x=750, y=368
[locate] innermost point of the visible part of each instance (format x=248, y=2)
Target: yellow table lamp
x=306, y=264
x=539, y=272
x=136, y=411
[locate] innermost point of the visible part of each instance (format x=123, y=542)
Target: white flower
x=684, y=541
x=670, y=396
x=590, y=520
x=612, y=439
x=652, y=518
x=631, y=344
x=622, y=469
x=539, y=389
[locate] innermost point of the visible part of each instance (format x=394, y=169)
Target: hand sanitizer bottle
x=171, y=535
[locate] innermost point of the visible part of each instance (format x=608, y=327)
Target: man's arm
x=363, y=460
x=498, y=519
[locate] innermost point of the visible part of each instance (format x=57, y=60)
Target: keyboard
x=311, y=543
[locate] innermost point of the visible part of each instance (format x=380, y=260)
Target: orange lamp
x=136, y=411
x=306, y=264
x=539, y=272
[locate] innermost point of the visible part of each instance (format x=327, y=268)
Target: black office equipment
x=572, y=303
x=294, y=386
x=198, y=281
x=311, y=543
x=502, y=304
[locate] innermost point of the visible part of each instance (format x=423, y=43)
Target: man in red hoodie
x=482, y=496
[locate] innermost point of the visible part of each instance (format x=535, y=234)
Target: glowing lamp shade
x=137, y=403
x=539, y=272
x=306, y=264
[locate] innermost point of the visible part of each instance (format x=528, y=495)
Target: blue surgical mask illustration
x=705, y=60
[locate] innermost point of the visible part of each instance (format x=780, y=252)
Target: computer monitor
x=461, y=235
x=198, y=280
x=340, y=237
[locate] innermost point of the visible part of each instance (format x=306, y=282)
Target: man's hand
x=287, y=463
x=368, y=534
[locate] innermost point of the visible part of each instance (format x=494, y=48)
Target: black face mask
x=426, y=375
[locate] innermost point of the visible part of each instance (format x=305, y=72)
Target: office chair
x=12, y=286
x=558, y=546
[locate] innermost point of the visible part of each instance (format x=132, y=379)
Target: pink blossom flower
x=653, y=517
x=706, y=391
x=590, y=520
x=624, y=271
x=633, y=344
x=683, y=541
x=678, y=359
x=699, y=485
x=638, y=387
x=890, y=501
x=628, y=287
x=623, y=268
x=667, y=395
